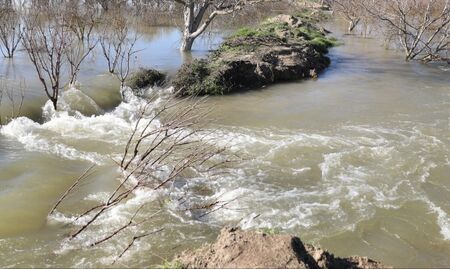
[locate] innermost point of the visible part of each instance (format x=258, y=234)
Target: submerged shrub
x=145, y=78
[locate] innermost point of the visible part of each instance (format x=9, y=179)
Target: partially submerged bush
x=145, y=78
x=199, y=77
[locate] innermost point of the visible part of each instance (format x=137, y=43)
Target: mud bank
x=235, y=248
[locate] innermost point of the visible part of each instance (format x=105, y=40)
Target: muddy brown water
x=356, y=161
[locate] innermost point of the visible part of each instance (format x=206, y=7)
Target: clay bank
x=235, y=248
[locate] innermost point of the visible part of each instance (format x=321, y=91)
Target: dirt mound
x=235, y=248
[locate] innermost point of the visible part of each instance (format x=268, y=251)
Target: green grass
x=321, y=44
x=312, y=16
x=245, y=32
x=236, y=49
x=269, y=231
x=253, y=32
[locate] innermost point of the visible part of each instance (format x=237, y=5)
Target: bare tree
x=107, y=5
x=198, y=15
x=420, y=28
x=350, y=10
x=11, y=31
x=114, y=38
x=81, y=18
x=125, y=58
x=46, y=43
x=80, y=37
x=76, y=53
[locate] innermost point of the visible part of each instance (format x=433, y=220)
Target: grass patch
x=322, y=44
x=308, y=32
x=269, y=231
x=239, y=48
x=312, y=16
x=253, y=32
x=170, y=265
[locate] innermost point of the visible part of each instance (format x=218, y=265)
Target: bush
x=200, y=77
x=145, y=78
x=189, y=78
x=321, y=44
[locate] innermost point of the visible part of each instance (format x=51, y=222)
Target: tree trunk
x=352, y=25
x=55, y=103
x=186, y=44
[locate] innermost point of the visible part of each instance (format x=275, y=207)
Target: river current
x=356, y=161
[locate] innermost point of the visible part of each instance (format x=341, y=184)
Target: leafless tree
x=198, y=15
x=76, y=53
x=108, y=5
x=58, y=37
x=420, y=27
x=114, y=38
x=125, y=58
x=80, y=37
x=81, y=18
x=350, y=10
x=11, y=31
x=46, y=43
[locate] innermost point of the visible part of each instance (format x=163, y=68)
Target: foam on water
x=27, y=132
x=63, y=128
x=373, y=167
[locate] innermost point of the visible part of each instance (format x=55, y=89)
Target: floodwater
x=356, y=162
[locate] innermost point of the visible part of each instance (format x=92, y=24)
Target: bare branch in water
x=15, y=97
x=133, y=240
x=85, y=175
